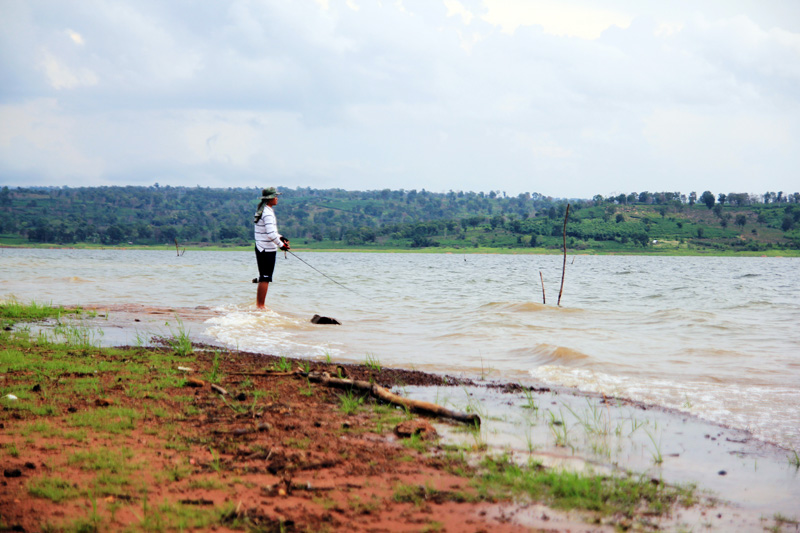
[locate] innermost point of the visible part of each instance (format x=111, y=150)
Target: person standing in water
x=268, y=241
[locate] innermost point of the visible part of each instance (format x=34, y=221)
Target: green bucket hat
x=269, y=193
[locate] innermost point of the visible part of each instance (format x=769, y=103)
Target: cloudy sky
x=569, y=98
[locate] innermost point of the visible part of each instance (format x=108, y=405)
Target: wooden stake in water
x=544, y=300
x=564, y=267
x=177, y=250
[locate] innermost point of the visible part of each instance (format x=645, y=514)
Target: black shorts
x=266, y=265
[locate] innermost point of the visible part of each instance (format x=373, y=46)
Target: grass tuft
x=372, y=363
x=180, y=341
x=350, y=403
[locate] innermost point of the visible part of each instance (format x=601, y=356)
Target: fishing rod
x=327, y=276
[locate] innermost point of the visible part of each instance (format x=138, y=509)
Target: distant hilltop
x=403, y=219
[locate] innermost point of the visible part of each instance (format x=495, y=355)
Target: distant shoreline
x=788, y=253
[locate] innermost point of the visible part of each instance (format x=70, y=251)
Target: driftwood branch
x=387, y=396
x=564, y=267
x=266, y=374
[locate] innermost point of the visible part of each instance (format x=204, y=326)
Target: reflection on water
x=714, y=336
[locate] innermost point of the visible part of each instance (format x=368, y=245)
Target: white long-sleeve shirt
x=266, y=229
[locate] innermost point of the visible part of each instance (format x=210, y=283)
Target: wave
x=548, y=354
x=769, y=412
x=528, y=307
x=665, y=315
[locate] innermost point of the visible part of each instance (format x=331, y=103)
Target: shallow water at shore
x=586, y=433
x=715, y=337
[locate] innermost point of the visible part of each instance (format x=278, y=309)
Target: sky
x=567, y=98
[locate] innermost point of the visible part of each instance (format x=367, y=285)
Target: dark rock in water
x=722, y=473
x=316, y=319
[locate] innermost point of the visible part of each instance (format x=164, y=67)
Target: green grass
x=77, y=335
x=214, y=375
x=350, y=403
x=608, y=495
x=112, y=419
x=16, y=311
x=180, y=342
x=415, y=442
x=282, y=365
x=43, y=428
x=372, y=363
x=12, y=450
x=794, y=459
x=416, y=494
x=53, y=488
x=206, y=484
x=656, y=453
x=387, y=417
x=530, y=401
x=169, y=516
x=308, y=390
x=109, y=459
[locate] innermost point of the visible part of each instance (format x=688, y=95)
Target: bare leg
x=261, y=294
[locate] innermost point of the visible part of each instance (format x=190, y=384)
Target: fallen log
x=387, y=396
x=266, y=374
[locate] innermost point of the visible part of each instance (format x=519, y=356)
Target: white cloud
x=37, y=138
x=569, y=18
x=568, y=98
x=456, y=8
x=61, y=76
x=718, y=142
x=76, y=37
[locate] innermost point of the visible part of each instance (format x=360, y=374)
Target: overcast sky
x=569, y=98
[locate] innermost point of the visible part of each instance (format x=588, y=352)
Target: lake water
x=716, y=337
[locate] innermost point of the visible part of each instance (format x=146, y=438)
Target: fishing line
x=327, y=276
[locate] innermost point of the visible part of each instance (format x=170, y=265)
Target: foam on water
x=260, y=331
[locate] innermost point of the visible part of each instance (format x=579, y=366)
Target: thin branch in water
x=564, y=267
x=544, y=300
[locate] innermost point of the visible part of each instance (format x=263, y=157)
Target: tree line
x=157, y=215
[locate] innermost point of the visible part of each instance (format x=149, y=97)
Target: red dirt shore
x=275, y=454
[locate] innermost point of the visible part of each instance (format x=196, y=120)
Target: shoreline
x=714, y=444
x=196, y=316
x=719, y=441
x=782, y=253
